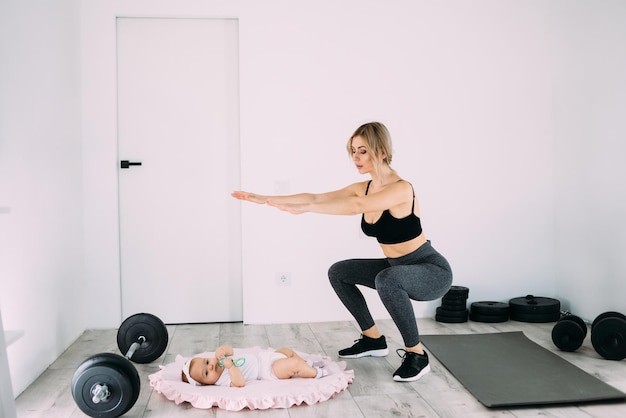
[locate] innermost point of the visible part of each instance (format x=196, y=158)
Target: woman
x=411, y=270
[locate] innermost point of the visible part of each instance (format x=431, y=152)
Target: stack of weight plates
x=453, y=307
x=535, y=309
x=488, y=311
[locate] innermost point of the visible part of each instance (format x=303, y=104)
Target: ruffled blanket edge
x=257, y=394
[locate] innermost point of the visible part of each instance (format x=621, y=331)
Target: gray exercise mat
x=507, y=369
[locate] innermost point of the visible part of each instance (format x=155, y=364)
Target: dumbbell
x=107, y=384
x=569, y=333
x=608, y=335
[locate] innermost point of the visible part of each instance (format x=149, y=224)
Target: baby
x=263, y=365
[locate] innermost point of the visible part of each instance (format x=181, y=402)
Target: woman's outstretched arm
x=348, y=201
x=300, y=198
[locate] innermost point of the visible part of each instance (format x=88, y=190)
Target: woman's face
x=361, y=155
x=205, y=370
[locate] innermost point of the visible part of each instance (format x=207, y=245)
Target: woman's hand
x=249, y=197
x=294, y=209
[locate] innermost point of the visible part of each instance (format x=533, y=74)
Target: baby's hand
x=219, y=353
x=228, y=363
x=223, y=351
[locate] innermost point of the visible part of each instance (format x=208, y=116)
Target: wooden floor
x=372, y=394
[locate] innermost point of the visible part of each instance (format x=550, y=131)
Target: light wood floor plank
x=372, y=394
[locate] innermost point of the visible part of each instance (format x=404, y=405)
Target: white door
x=178, y=115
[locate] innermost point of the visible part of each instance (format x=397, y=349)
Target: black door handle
x=127, y=164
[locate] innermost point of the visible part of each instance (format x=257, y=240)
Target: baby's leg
x=288, y=352
x=286, y=368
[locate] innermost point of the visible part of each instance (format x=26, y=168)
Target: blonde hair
x=377, y=139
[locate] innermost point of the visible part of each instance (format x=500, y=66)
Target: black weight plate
x=534, y=317
x=117, y=373
x=477, y=317
x=452, y=314
x=450, y=320
x=609, y=314
x=568, y=335
x=143, y=325
x=578, y=320
x=454, y=302
x=534, y=305
x=490, y=308
x=454, y=299
x=608, y=338
x=457, y=291
x=454, y=307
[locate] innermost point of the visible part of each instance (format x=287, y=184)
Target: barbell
x=107, y=384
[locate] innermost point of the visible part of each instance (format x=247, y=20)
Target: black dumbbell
x=107, y=384
x=608, y=335
x=569, y=333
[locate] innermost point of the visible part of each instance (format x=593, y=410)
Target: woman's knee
x=337, y=271
x=336, y=268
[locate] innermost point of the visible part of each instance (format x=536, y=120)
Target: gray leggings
x=421, y=275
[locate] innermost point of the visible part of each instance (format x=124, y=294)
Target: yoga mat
x=507, y=369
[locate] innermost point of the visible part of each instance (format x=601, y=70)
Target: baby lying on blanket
x=283, y=363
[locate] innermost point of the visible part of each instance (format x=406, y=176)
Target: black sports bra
x=390, y=230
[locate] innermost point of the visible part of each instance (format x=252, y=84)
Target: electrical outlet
x=282, y=187
x=283, y=279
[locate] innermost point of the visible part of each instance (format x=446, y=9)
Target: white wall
x=504, y=115
x=465, y=89
x=590, y=134
x=41, y=257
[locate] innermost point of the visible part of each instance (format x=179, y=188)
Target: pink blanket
x=258, y=394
